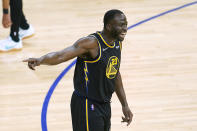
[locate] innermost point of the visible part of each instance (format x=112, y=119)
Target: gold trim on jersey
x=98, y=57
x=86, y=79
x=87, y=115
x=120, y=44
x=105, y=41
x=86, y=75
x=112, y=67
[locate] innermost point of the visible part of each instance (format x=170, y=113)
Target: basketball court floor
x=158, y=67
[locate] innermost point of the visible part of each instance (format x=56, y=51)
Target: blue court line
x=48, y=96
x=53, y=86
x=161, y=14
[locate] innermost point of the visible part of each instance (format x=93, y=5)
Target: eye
x=123, y=25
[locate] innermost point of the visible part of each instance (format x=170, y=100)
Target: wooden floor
x=159, y=65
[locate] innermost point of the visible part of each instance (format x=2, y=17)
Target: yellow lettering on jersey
x=112, y=67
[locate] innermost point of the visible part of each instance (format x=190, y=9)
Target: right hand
x=33, y=62
x=6, y=21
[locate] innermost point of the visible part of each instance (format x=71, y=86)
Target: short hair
x=109, y=15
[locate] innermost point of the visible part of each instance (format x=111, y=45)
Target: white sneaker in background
x=8, y=44
x=23, y=34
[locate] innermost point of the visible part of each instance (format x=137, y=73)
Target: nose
x=124, y=28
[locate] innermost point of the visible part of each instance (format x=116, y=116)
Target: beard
x=116, y=35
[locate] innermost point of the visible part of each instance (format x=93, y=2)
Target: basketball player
x=19, y=27
x=96, y=75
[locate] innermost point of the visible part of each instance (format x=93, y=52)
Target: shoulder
x=87, y=42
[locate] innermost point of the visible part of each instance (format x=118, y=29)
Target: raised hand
x=33, y=62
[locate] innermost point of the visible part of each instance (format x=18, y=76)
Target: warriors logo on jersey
x=112, y=67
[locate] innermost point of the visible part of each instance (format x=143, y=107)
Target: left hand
x=128, y=115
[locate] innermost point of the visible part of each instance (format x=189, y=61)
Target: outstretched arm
x=122, y=98
x=82, y=46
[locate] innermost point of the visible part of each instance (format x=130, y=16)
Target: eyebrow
x=123, y=21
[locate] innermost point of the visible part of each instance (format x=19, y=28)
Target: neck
x=107, y=37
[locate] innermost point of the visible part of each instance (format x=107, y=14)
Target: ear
x=108, y=27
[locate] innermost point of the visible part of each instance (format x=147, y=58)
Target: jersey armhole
x=97, y=58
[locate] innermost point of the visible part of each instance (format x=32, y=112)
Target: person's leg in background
x=16, y=14
x=23, y=22
x=13, y=41
x=20, y=25
x=25, y=30
x=19, y=28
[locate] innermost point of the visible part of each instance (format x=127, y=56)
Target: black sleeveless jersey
x=95, y=79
